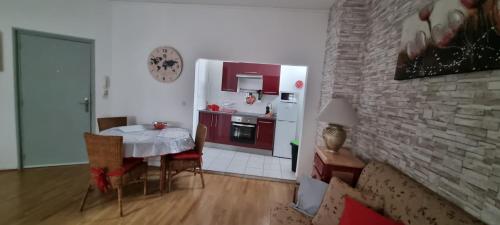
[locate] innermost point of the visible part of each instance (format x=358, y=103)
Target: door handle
x=86, y=102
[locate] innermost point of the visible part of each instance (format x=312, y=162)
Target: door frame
x=17, y=87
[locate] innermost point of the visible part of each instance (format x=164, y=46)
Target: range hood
x=249, y=82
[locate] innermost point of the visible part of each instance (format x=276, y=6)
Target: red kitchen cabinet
x=218, y=126
x=271, y=85
x=271, y=79
x=222, y=128
x=229, y=79
x=206, y=119
x=265, y=134
x=270, y=74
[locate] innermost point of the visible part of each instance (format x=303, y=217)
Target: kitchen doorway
x=253, y=112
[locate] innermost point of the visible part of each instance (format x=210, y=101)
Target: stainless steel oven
x=243, y=129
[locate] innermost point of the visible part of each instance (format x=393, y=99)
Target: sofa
x=404, y=200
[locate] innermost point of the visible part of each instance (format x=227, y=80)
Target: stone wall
x=443, y=131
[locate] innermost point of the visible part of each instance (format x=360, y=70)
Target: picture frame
x=450, y=37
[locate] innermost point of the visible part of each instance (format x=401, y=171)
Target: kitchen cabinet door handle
x=269, y=92
x=243, y=125
x=258, y=133
x=265, y=122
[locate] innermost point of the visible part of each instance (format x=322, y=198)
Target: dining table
x=144, y=141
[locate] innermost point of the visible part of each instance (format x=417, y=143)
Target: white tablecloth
x=148, y=142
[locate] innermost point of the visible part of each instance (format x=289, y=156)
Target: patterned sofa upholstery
x=408, y=201
x=404, y=200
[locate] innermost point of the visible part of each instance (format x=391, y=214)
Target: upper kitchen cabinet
x=271, y=85
x=229, y=80
x=270, y=75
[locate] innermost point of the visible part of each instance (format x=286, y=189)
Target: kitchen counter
x=258, y=115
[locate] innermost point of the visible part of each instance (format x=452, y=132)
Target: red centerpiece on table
x=159, y=125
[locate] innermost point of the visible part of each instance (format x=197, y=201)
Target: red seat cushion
x=356, y=213
x=192, y=154
x=130, y=163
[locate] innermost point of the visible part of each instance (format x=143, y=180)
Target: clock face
x=165, y=64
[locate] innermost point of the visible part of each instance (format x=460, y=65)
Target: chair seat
x=187, y=155
x=131, y=163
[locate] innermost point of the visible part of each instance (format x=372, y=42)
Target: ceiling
x=294, y=4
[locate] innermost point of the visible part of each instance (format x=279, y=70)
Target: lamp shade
x=339, y=111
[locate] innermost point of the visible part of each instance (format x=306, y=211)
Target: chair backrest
x=110, y=122
x=201, y=135
x=104, y=151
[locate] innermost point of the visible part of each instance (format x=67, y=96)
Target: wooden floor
x=52, y=196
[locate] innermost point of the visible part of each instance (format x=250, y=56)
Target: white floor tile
x=255, y=164
x=240, y=155
x=272, y=173
x=288, y=174
x=219, y=164
x=247, y=164
x=254, y=171
x=240, y=169
x=272, y=166
x=239, y=161
x=220, y=167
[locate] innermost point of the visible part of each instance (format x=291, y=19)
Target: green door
x=54, y=93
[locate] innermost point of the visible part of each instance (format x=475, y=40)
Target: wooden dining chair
x=110, y=122
x=108, y=168
x=188, y=160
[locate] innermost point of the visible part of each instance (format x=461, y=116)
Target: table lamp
x=338, y=113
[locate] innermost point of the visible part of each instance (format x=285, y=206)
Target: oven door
x=243, y=133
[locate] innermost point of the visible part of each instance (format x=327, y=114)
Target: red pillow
x=356, y=213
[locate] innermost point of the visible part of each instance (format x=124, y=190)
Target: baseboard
x=56, y=164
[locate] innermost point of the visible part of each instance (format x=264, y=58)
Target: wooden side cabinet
x=343, y=165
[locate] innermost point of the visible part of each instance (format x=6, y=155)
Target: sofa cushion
x=356, y=213
x=283, y=214
x=332, y=206
x=408, y=201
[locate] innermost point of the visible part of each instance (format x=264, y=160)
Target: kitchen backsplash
x=214, y=94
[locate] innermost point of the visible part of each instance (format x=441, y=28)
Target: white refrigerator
x=286, y=128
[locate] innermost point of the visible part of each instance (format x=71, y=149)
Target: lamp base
x=334, y=137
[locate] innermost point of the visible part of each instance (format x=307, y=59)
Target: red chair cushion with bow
x=187, y=155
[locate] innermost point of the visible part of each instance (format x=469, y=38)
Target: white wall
x=86, y=19
x=268, y=35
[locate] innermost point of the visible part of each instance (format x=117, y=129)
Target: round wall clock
x=165, y=64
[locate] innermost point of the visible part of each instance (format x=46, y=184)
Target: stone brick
x=452, y=163
x=494, y=135
x=469, y=122
x=491, y=123
x=475, y=178
x=494, y=85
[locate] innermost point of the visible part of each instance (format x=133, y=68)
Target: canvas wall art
x=449, y=37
